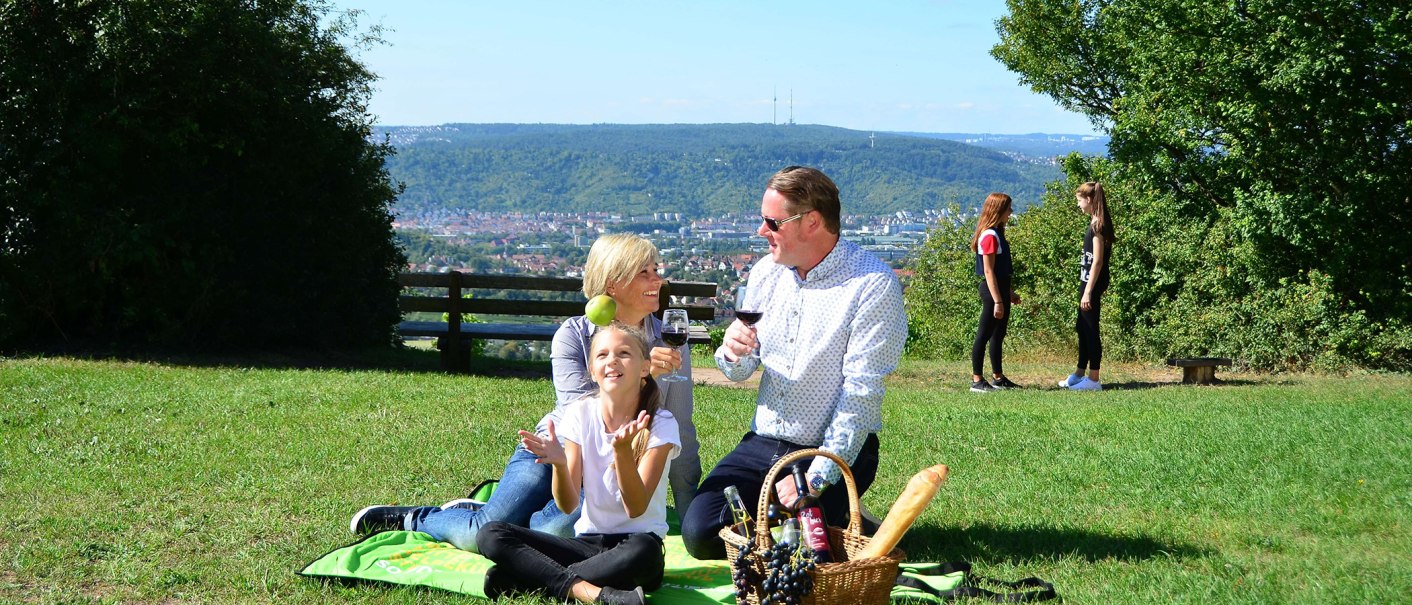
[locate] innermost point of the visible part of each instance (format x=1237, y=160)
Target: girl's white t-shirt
x=603, y=511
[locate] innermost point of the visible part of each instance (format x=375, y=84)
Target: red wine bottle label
x=815, y=532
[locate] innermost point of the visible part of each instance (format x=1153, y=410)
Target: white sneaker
x=1070, y=380
x=465, y=503
x=1086, y=385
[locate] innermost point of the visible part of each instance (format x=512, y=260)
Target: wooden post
x=454, y=356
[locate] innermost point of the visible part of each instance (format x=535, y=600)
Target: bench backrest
x=455, y=283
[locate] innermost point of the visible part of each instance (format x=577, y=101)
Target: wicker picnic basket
x=845, y=581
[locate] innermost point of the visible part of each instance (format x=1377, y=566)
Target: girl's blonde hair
x=995, y=206
x=616, y=258
x=1102, y=223
x=650, y=399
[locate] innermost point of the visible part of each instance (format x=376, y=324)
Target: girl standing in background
x=994, y=264
x=1093, y=282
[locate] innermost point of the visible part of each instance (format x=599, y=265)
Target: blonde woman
x=624, y=267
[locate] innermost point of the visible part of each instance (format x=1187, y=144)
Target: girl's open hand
x=622, y=438
x=548, y=449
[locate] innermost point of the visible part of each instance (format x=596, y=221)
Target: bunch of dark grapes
x=744, y=574
x=787, y=579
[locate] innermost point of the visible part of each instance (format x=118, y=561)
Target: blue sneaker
x=1087, y=385
x=1070, y=381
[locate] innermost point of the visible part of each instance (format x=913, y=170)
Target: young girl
x=1093, y=282
x=616, y=447
x=992, y=263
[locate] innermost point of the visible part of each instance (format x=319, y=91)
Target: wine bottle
x=740, y=516
x=813, y=527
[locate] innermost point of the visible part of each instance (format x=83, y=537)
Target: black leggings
x=1086, y=324
x=532, y=561
x=991, y=330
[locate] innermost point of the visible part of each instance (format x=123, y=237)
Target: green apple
x=601, y=310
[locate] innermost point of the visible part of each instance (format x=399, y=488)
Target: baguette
x=914, y=499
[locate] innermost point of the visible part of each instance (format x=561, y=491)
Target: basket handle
x=762, y=524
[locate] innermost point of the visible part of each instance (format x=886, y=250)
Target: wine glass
x=675, y=330
x=746, y=310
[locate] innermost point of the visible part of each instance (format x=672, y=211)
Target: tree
x=1280, y=129
x=190, y=171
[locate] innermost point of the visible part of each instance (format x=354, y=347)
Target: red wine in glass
x=749, y=317
x=675, y=338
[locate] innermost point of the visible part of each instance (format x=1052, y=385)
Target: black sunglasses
x=774, y=224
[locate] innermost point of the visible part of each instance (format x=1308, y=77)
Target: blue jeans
x=745, y=467
x=522, y=498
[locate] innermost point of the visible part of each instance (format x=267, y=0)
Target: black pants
x=532, y=561
x=745, y=468
x=991, y=330
x=1086, y=324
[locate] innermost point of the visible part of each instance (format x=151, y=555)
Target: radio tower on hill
x=775, y=106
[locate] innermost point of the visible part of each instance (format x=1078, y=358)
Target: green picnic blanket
x=415, y=559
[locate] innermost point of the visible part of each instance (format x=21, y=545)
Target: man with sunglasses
x=832, y=326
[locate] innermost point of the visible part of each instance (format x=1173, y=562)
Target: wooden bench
x=453, y=335
x=1199, y=370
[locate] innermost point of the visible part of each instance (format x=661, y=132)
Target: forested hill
x=695, y=169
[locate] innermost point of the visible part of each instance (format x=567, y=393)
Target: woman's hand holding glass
x=665, y=360
x=675, y=330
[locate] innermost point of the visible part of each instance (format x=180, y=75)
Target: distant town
x=718, y=249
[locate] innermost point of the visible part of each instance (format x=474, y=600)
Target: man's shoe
x=465, y=503
x=981, y=386
x=613, y=596
x=378, y=518
x=1004, y=383
x=1087, y=385
x=1070, y=381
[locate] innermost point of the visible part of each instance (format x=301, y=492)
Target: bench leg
x=1199, y=375
x=455, y=355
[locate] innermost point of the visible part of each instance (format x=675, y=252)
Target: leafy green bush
x=1182, y=286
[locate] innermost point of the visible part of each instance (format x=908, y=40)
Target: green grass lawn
x=177, y=482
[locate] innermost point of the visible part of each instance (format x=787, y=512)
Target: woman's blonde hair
x=616, y=258
x=650, y=399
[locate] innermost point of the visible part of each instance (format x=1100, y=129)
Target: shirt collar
x=833, y=264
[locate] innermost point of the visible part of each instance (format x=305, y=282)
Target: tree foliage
x=1265, y=145
x=189, y=172
x=696, y=169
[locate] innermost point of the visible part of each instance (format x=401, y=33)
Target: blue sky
x=906, y=65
